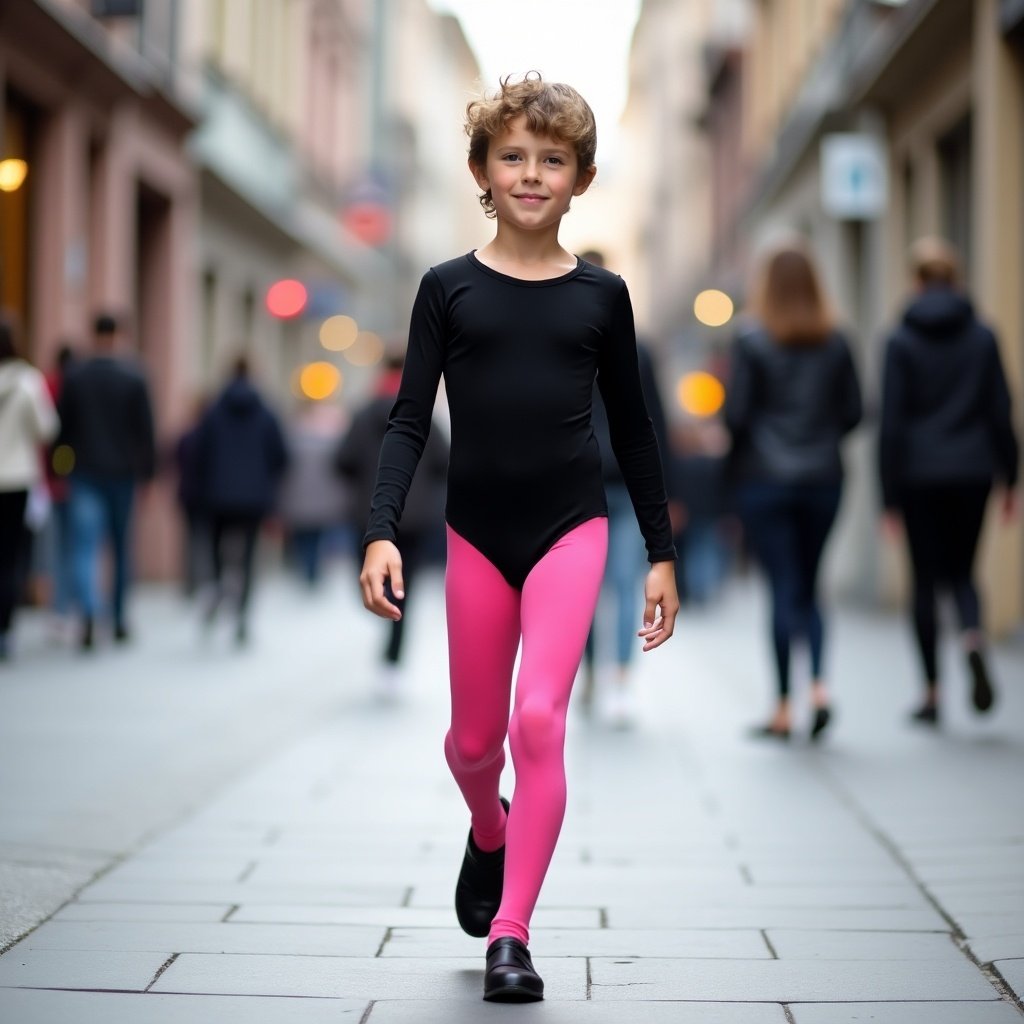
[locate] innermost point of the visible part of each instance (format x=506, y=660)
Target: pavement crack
x=366, y=1013
x=602, y=917
x=407, y=897
x=745, y=874
x=231, y=911
x=161, y=969
x=248, y=870
x=768, y=943
x=383, y=942
x=789, y=1013
x=590, y=978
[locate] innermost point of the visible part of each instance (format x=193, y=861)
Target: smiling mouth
x=530, y=198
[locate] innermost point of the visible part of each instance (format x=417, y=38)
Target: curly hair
x=550, y=108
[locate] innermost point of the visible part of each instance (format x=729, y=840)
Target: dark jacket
x=610, y=471
x=107, y=419
x=240, y=453
x=788, y=407
x=945, y=403
x=357, y=458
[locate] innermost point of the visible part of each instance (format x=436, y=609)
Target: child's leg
x=483, y=636
x=558, y=604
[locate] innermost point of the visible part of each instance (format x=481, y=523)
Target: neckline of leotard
x=544, y=282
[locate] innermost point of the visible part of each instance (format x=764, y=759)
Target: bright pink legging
x=486, y=617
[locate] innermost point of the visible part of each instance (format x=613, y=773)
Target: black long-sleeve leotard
x=519, y=360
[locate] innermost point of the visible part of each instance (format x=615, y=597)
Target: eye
x=555, y=160
x=511, y=157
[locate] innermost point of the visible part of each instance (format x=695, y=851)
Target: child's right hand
x=382, y=562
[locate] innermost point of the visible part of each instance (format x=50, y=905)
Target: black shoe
x=926, y=714
x=822, y=717
x=510, y=976
x=478, y=890
x=762, y=732
x=85, y=641
x=982, y=694
x=121, y=634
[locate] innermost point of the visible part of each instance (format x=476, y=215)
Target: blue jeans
x=101, y=509
x=787, y=525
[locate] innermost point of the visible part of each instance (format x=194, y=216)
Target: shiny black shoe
x=982, y=695
x=510, y=975
x=926, y=714
x=478, y=890
x=820, y=722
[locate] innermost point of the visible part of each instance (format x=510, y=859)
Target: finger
x=397, y=582
x=650, y=612
x=374, y=598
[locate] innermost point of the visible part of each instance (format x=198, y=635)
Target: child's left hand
x=660, y=592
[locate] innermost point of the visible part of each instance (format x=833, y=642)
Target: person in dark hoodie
x=946, y=436
x=240, y=456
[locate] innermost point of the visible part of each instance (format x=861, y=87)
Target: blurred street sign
x=854, y=179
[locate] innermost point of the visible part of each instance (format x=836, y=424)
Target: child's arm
x=382, y=562
x=660, y=593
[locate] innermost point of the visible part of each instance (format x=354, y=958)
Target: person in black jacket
x=793, y=396
x=946, y=435
x=420, y=530
x=107, y=432
x=240, y=456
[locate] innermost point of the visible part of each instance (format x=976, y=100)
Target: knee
x=472, y=751
x=537, y=727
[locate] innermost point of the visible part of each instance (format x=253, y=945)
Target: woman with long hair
x=792, y=397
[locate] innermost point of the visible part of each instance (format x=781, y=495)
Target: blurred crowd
x=760, y=483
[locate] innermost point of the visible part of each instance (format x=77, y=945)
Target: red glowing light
x=370, y=222
x=287, y=298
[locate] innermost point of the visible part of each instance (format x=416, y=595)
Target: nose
x=531, y=171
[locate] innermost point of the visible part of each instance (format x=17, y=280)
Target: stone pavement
x=307, y=876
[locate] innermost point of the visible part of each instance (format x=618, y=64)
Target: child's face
x=532, y=178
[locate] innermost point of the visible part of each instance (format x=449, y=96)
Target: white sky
x=584, y=43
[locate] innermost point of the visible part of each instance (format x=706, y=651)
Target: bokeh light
x=63, y=460
x=12, y=174
x=700, y=394
x=713, y=308
x=319, y=380
x=338, y=333
x=367, y=350
x=286, y=298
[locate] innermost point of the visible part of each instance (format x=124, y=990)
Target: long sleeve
x=851, y=406
x=1004, y=439
x=410, y=419
x=632, y=433
x=45, y=421
x=739, y=395
x=891, y=429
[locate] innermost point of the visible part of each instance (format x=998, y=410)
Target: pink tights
x=486, y=617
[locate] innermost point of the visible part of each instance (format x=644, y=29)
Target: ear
x=479, y=175
x=583, y=180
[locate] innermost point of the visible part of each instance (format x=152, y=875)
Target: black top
x=788, y=407
x=519, y=360
x=945, y=403
x=107, y=419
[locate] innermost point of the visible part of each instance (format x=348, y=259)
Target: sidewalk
x=309, y=866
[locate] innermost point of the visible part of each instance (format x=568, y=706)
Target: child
x=519, y=329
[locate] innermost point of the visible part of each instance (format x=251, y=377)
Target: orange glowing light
x=713, y=308
x=286, y=298
x=319, y=380
x=338, y=333
x=367, y=350
x=700, y=394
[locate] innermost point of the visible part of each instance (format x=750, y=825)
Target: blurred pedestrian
x=240, y=457
x=312, y=498
x=195, y=517
x=627, y=562
x=423, y=513
x=60, y=544
x=28, y=421
x=946, y=437
x=107, y=425
x=792, y=397
x=519, y=328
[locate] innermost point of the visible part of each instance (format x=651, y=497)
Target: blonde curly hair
x=550, y=108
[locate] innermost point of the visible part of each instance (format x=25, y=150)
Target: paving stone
x=156, y=891
x=654, y=916
x=292, y=940
x=1013, y=974
x=196, y=912
x=560, y=1012
x=904, y=1013
x=38, y=1006
x=356, y=978
x=433, y=942
x=835, y=945
x=786, y=981
x=998, y=947
x=92, y=969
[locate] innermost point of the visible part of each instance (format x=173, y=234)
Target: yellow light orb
x=338, y=333
x=63, y=460
x=12, y=174
x=319, y=380
x=713, y=308
x=367, y=350
x=700, y=394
